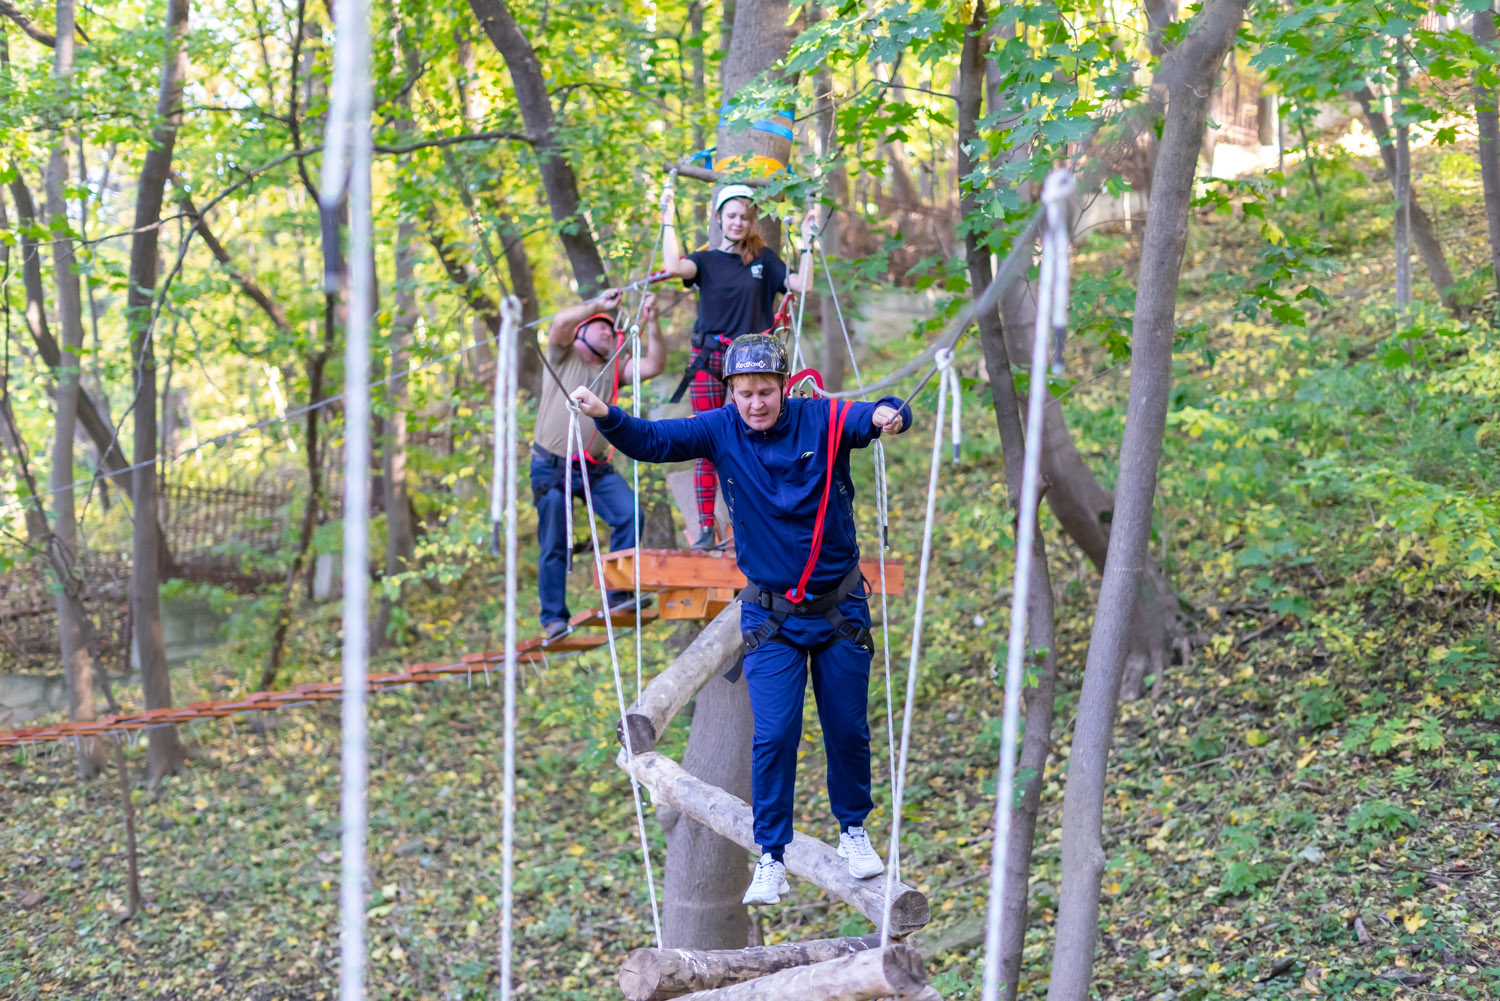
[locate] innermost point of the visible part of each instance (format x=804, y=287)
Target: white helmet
x=732, y=191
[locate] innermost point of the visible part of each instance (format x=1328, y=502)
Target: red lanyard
x=838, y=413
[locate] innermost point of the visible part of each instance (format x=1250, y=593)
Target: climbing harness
x=1051, y=318
x=826, y=605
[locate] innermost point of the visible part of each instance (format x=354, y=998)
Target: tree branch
x=27, y=25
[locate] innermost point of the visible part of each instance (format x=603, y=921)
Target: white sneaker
x=854, y=845
x=769, y=882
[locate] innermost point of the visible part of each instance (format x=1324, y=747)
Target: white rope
x=575, y=433
x=948, y=383
x=1052, y=309
x=635, y=489
x=346, y=170
x=833, y=293
x=509, y=446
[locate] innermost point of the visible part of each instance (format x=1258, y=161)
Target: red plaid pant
x=707, y=394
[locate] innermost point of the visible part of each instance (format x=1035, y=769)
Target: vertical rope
x=346, y=169
x=947, y=383
x=635, y=486
x=1052, y=309
x=575, y=433
x=507, y=353
x=882, y=510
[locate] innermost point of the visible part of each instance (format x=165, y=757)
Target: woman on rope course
x=785, y=464
x=581, y=341
x=737, y=285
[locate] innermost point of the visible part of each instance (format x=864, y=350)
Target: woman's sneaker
x=854, y=845
x=706, y=542
x=769, y=882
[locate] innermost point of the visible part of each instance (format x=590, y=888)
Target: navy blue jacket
x=772, y=480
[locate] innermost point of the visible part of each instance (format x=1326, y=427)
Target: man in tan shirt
x=581, y=349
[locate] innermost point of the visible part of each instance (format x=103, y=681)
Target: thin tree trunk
x=99, y=429
x=536, y=110
x=127, y=811
x=1402, y=183
x=1189, y=73
x=317, y=363
x=1036, y=744
x=10, y=430
x=167, y=753
x=1489, y=133
x=400, y=536
x=522, y=279
x=834, y=348
x=78, y=665
x=1422, y=233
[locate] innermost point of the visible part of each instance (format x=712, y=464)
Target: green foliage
x=1382, y=816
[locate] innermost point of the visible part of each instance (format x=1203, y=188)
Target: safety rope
x=948, y=385
x=575, y=433
x=507, y=445
x=1051, y=318
x=346, y=173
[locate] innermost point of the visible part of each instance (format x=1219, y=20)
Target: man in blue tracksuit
x=792, y=504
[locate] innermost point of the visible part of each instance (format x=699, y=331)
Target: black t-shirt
x=735, y=298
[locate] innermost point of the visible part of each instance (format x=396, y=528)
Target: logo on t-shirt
x=757, y=271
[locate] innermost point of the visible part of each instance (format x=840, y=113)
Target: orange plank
x=673, y=568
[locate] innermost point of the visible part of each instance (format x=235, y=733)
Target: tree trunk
x=167, y=754
x=10, y=430
x=659, y=974
x=834, y=348
x=522, y=279
x=1489, y=134
x=400, y=533
x=1401, y=230
x=1190, y=70
x=1422, y=233
x=1040, y=616
x=706, y=875
x=99, y=429
x=536, y=110
x=78, y=665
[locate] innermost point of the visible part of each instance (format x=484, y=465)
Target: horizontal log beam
x=712, y=176
x=812, y=860
x=895, y=971
x=659, y=974
x=713, y=651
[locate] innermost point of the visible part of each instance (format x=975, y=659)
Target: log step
x=659, y=974
x=809, y=859
x=895, y=971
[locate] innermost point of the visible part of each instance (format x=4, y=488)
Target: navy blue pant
x=777, y=673
x=613, y=501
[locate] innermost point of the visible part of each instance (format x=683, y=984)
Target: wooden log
x=658, y=974
x=712, y=652
x=895, y=971
x=806, y=858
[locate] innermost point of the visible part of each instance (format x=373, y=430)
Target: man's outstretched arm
x=649, y=441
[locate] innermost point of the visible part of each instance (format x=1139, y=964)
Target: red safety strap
x=806, y=373
x=838, y=413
